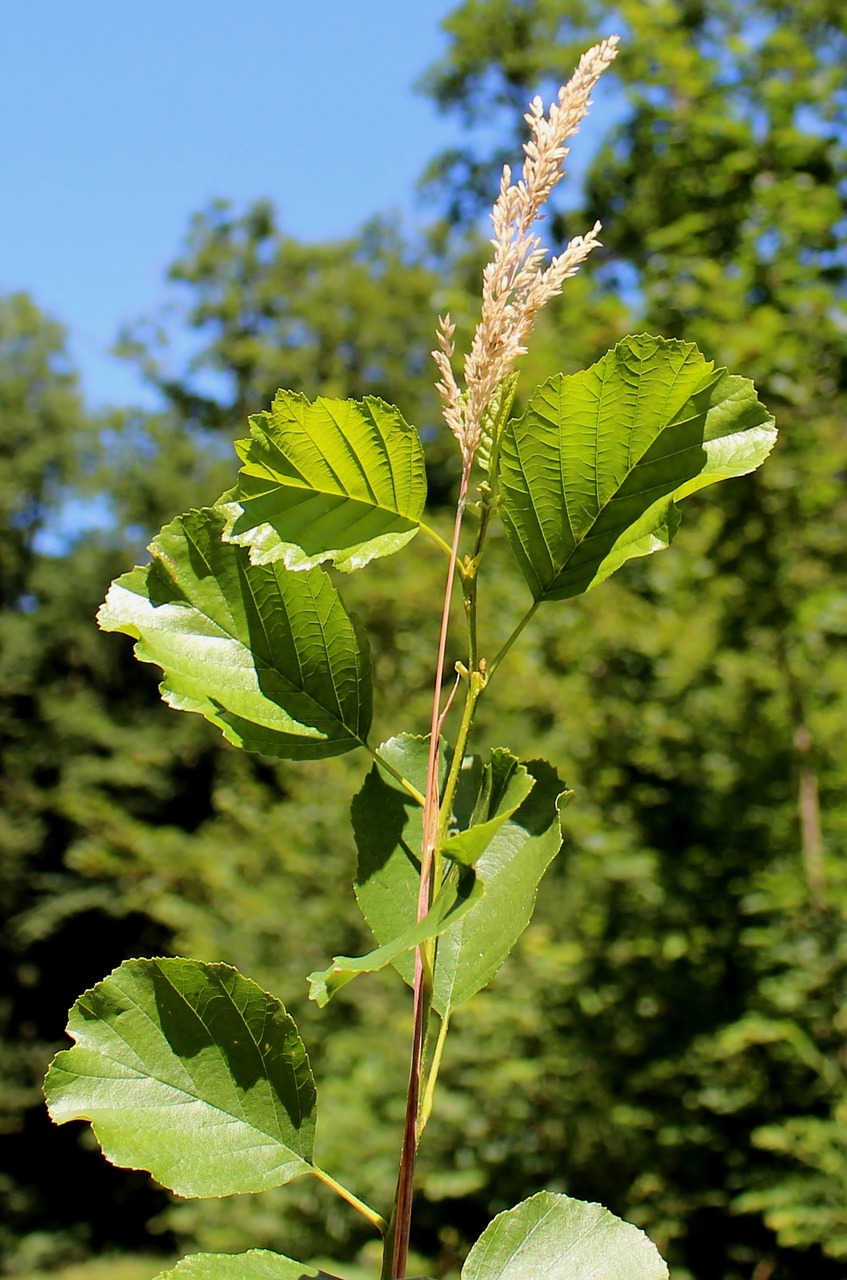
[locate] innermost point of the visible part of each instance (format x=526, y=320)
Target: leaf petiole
x=432, y=1077
x=407, y=786
x=436, y=538
x=498, y=658
x=374, y=1218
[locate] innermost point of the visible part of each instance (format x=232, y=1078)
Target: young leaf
x=336, y=480
x=456, y=898
x=562, y=1239
x=472, y=950
x=498, y=789
x=591, y=473
x=258, y=1264
x=191, y=1072
x=270, y=657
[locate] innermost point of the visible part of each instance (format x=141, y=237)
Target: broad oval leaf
x=256, y=1264
x=192, y=1072
x=560, y=1238
x=270, y=657
x=337, y=480
x=591, y=472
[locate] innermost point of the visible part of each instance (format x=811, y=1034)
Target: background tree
x=258, y=310
x=49, y=707
x=675, y=1015
x=83, y=762
x=722, y=189
x=119, y=824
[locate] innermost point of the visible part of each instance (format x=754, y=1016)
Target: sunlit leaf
x=257, y=1264
x=191, y=1072
x=338, y=480
x=591, y=472
x=557, y=1238
x=270, y=657
x=496, y=789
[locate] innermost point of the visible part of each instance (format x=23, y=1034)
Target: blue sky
x=119, y=118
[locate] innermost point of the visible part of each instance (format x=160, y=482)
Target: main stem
x=401, y=1218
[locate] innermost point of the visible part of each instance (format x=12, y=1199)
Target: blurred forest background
x=670, y=1037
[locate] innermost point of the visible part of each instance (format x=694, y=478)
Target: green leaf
x=511, y=851
x=191, y=1072
x=498, y=789
x=591, y=472
x=258, y=1264
x=562, y=1239
x=456, y=898
x=270, y=657
x=514, y=861
x=387, y=826
x=338, y=480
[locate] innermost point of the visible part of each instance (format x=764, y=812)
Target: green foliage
x=257, y=1264
x=564, y=1239
x=114, y=1267
x=264, y=649
x=511, y=867
x=593, y=470
x=268, y=655
x=46, y=440
x=211, y=1066
x=806, y=1205
x=658, y=1011
x=453, y=903
x=333, y=480
x=511, y=852
x=720, y=184
x=388, y=830
x=350, y=318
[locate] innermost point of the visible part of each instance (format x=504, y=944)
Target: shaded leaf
x=257, y=1264
x=189, y=1071
x=512, y=865
x=456, y=898
x=518, y=844
x=271, y=657
x=591, y=472
x=338, y=480
x=562, y=1239
x=387, y=826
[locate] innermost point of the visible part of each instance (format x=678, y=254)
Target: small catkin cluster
x=515, y=284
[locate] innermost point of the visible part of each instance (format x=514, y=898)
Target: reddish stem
x=408, y=1157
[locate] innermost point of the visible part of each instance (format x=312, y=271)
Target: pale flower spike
x=515, y=285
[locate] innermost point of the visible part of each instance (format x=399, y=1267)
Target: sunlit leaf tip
x=256, y=1264
x=591, y=473
x=560, y=1238
x=331, y=480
